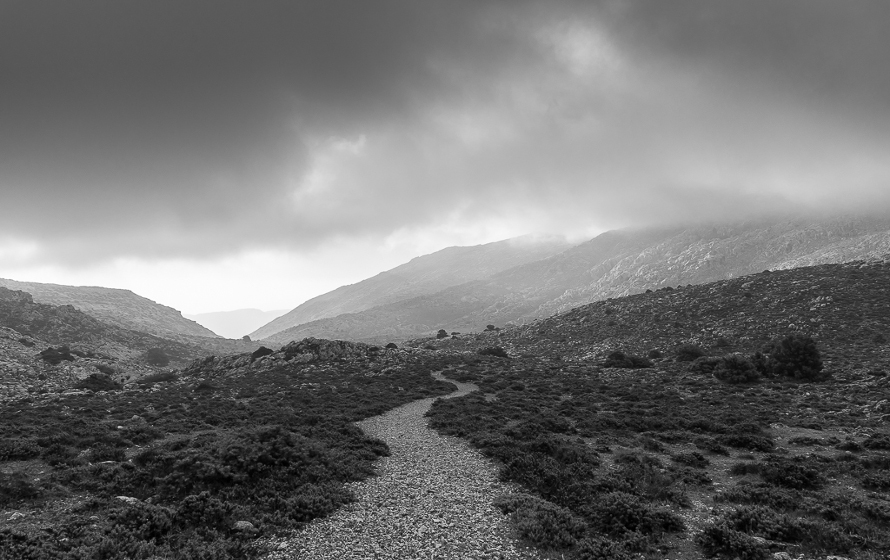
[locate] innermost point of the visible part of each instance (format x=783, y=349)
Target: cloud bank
x=179, y=130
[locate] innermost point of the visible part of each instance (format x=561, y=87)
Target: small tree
x=441, y=334
x=489, y=327
x=796, y=356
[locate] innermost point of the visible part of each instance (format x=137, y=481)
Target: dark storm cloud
x=163, y=128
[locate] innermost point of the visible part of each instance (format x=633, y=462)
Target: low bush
x=735, y=368
x=689, y=352
x=619, y=359
x=496, y=351
x=98, y=382
x=721, y=539
x=691, y=459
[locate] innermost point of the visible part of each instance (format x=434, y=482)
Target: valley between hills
x=694, y=393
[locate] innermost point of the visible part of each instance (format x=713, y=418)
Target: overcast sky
x=215, y=154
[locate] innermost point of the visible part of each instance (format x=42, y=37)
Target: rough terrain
x=432, y=498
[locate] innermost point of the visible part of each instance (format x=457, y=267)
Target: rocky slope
x=616, y=263
x=121, y=308
x=420, y=276
x=65, y=325
x=845, y=307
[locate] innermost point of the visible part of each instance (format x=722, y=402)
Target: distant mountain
x=113, y=306
x=235, y=324
x=420, y=276
x=614, y=264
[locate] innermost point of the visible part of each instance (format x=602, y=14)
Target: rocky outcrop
x=307, y=351
x=65, y=325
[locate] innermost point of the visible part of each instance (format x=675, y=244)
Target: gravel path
x=432, y=498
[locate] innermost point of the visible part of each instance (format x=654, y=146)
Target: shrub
x=721, y=342
x=260, y=352
x=704, y=364
x=55, y=356
x=722, y=539
x=489, y=327
x=494, y=351
x=157, y=357
x=692, y=459
x=543, y=523
x=15, y=487
x=598, y=548
x=441, y=334
x=392, y=346
x=689, y=352
x=98, y=382
x=106, y=369
x=619, y=359
x=796, y=356
x=654, y=354
x=735, y=368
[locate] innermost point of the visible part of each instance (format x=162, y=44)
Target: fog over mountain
x=616, y=263
x=231, y=155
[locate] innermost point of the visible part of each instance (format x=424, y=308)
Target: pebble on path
x=432, y=498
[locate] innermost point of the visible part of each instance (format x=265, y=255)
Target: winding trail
x=432, y=498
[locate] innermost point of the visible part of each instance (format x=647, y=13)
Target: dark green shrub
x=442, y=333
x=542, y=523
x=157, y=357
x=496, y=351
x=689, y=352
x=392, y=346
x=877, y=441
x=704, y=364
x=796, y=356
x=735, y=368
x=720, y=539
x=598, y=548
x=260, y=352
x=619, y=359
x=55, y=356
x=15, y=487
x=98, y=382
x=691, y=459
x=654, y=354
x=792, y=472
x=18, y=449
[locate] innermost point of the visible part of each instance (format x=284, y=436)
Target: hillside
x=664, y=459
x=65, y=325
x=423, y=275
x=113, y=306
x=613, y=264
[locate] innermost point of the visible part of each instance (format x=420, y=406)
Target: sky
x=216, y=155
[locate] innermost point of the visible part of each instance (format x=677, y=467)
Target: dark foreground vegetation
x=197, y=466
x=680, y=459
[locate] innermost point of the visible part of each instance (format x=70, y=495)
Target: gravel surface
x=432, y=498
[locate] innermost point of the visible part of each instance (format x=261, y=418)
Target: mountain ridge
x=613, y=264
x=421, y=275
x=115, y=306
